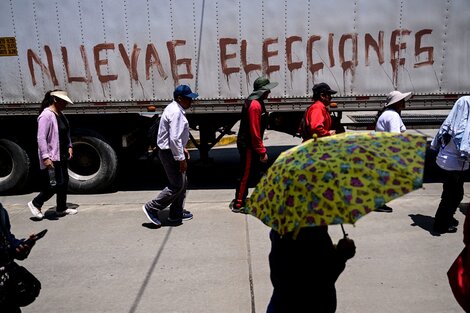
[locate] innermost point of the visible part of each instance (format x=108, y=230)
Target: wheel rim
x=86, y=161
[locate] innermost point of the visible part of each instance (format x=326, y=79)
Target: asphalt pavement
x=108, y=258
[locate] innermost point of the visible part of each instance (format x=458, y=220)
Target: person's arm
x=45, y=129
x=345, y=250
x=175, y=135
x=317, y=122
x=254, y=114
x=69, y=138
x=16, y=248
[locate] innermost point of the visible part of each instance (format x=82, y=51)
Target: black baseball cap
x=323, y=88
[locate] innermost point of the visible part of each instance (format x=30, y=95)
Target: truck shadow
x=220, y=172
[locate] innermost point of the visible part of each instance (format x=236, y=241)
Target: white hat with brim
x=62, y=95
x=396, y=96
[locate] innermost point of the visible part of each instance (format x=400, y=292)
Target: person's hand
x=346, y=248
x=264, y=158
x=186, y=154
x=23, y=250
x=332, y=132
x=183, y=166
x=70, y=153
x=47, y=163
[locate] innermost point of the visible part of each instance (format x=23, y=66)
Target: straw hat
x=62, y=95
x=396, y=96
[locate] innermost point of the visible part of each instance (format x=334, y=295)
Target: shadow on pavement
x=423, y=221
x=426, y=222
x=221, y=172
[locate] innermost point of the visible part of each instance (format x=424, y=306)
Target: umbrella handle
x=344, y=233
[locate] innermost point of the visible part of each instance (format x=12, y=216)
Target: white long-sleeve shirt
x=173, y=131
x=449, y=158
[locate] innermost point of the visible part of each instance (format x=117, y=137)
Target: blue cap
x=184, y=91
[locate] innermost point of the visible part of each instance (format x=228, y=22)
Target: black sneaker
x=454, y=222
x=444, y=229
x=173, y=222
x=187, y=216
x=151, y=215
x=384, y=208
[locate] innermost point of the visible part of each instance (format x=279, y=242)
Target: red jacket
x=318, y=119
x=252, y=126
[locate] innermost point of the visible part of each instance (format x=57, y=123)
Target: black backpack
x=152, y=133
x=303, y=127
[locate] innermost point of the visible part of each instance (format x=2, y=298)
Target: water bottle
x=51, y=172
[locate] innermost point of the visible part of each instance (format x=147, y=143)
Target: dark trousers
x=174, y=194
x=251, y=171
x=47, y=191
x=303, y=272
x=452, y=195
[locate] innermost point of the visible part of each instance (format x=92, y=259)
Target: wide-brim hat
x=261, y=86
x=396, y=96
x=61, y=95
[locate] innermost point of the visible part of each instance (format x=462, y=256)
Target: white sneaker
x=71, y=211
x=35, y=211
x=67, y=212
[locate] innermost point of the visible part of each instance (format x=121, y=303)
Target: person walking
x=388, y=119
x=304, y=270
x=317, y=120
x=54, y=151
x=453, y=143
x=173, y=136
x=253, y=123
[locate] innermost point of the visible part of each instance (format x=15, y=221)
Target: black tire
x=14, y=167
x=94, y=165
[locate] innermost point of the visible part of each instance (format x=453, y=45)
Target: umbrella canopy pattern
x=337, y=179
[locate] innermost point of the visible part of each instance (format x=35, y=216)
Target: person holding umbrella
x=304, y=270
x=333, y=180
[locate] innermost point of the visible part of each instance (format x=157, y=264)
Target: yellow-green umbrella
x=337, y=179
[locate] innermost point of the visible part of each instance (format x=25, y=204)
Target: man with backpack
x=253, y=123
x=317, y=119
x=172, y=138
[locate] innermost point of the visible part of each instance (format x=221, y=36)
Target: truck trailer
x=120, y=61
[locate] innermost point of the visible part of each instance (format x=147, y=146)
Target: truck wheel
x=14, y=166
x=93, y=167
